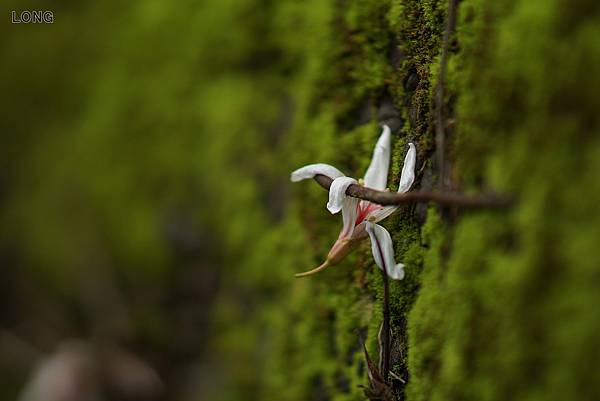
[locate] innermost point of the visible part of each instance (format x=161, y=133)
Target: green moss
x=425, y=321
x=340, y=77
x=494, y=305
x=488, y=286
x=508, y=307
x=418, y=28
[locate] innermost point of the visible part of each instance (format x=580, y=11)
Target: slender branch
x=384, y=333
x=441, y=198
x=440, y=126
x=386, y=343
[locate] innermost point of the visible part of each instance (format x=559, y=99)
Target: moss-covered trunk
x=153, y=163
x=495, y=305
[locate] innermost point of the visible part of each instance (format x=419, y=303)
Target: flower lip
x=365, y=211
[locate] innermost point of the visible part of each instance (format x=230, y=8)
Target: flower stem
x=385, y=340
x=385, y=329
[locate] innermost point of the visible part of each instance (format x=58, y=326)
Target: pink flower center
x=364, y=210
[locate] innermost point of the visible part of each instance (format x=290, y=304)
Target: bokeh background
x=149, y=234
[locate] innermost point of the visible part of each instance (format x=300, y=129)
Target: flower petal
x=376, y=175
x=406, y=180
x=348, y=205
x=337, y=193
x=383, y=251
x=349, y=216
x=408, y=170
x=381, y=213
x=311, y=170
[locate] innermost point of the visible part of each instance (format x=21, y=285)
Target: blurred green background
x=149, y=234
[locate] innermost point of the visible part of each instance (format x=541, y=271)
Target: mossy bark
x=494, y=304
x=197, y=114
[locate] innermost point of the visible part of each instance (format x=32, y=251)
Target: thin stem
x=441, y=198
x=440, y=126
x=386, y=327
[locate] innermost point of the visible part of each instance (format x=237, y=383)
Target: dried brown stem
x=386, y=351
x=440, y=198
x=440, y=121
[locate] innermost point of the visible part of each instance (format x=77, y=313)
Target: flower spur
x=360, y=217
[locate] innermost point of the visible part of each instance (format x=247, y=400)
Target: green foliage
x=511, y=311
x=186, y=121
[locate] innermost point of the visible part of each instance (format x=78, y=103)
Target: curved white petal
x=349, y=216
x=348, y=205
x=383, y=251
x=379, y=214
x=311, y=170
x=408, y=169
x=376, y=175
x=337, y=193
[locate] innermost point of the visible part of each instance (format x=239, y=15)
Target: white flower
x=360, y=216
